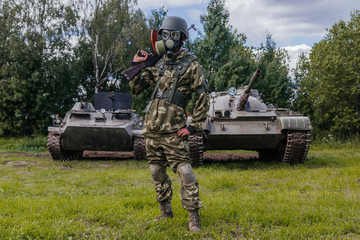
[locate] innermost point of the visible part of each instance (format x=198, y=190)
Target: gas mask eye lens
x=165, y=34
x=175, y=35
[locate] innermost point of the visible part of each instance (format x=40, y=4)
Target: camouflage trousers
x=169, y=149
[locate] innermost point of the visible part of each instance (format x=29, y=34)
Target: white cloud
x=297, y=48
x=294, y=52
x=287, y=20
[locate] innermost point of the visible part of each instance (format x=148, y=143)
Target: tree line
x=327, y=82
x=53, y=54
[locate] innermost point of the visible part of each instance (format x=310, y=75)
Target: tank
x=108, y=125
x=239, y=119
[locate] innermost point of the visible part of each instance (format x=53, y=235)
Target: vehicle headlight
x=232, y=91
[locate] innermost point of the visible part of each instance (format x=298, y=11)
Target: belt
x=179, y=98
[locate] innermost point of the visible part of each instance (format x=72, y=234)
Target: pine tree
x=275, y=81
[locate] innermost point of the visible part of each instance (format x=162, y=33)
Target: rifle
x=130, y=73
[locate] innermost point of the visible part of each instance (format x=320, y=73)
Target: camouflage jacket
x=165, y=117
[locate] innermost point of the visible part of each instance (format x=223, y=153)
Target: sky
x=295, y=25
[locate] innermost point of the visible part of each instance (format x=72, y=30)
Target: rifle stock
x=130, y=73
x=154, y=38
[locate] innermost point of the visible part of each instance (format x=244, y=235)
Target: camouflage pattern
x=166, y=149
x=163, y=120
x=189, y=195
x=194, y=221
x=166, y=210
x=163, y=117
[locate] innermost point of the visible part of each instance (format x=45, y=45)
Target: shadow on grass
x=245, y=164
x=254, y=163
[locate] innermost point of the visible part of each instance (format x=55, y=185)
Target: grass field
x=248, y=199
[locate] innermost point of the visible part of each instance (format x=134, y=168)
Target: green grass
x=248, y=199
x=34, y=144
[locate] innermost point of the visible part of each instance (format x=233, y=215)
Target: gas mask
x=171, y=43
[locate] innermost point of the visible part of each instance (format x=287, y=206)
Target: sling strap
x=172, y=96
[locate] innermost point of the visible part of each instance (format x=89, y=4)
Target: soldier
x=175, y=76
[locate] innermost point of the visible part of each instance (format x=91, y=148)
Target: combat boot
x=166, y=210
x=194, y=220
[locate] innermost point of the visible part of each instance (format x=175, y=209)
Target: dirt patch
x=218, y=157
x=87, y=154
x=17, y=164
x=208, y=157
x=37, y=155
x=105, y=165
x=64, y=167
x=108, y=155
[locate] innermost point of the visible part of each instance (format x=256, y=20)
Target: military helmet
x=174, y=23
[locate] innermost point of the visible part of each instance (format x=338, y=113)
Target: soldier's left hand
x=183, y=132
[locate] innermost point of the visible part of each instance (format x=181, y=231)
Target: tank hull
x=240, y=120
x=97, y=138
x=109, y=126
x=245, y=142
x=249, y=133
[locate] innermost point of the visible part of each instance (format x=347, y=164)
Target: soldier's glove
x=191, y=129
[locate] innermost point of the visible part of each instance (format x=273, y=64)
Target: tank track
x=195, y=143
x=297, y=146
x=54, y=147
x=139, y=149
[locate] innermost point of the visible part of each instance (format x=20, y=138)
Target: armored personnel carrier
x=239, y=119
x=108, y=125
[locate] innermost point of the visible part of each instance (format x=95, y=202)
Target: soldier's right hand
x=140, y=56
